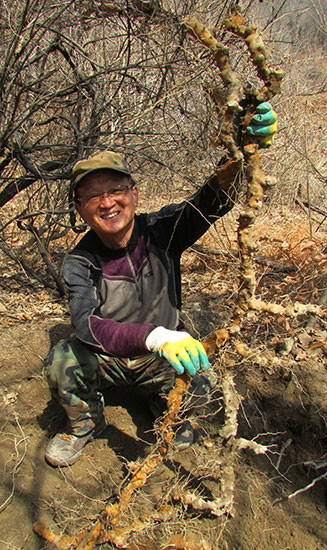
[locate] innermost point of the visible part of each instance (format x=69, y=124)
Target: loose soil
x=282, y=405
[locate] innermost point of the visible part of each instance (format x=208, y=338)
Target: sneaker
x=184, y=435
x=64, y=449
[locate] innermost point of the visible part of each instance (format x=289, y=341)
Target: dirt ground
x=282, y=404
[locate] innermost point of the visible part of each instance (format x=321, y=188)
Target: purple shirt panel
x=128, y=267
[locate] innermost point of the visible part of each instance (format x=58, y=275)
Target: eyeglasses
x=117, y=193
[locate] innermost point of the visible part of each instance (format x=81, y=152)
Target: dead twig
x=23, y=440
x=302, y=490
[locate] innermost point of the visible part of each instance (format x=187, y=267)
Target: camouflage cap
x=101, y=161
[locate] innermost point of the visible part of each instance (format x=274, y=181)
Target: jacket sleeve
x=183, y=224
x=82, y=279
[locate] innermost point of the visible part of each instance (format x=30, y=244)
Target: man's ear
x=136, y=195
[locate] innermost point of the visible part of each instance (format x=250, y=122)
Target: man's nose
x=106, y=199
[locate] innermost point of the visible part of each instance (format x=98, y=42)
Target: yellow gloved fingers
x=185, y=355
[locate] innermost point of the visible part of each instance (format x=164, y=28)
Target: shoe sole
x=57, y=462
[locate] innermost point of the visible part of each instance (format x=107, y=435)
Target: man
x=124, y=285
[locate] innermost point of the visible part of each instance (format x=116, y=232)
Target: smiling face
x=111, y=216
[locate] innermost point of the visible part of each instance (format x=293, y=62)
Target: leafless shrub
x=77, y=77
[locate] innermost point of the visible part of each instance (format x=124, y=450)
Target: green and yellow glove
x=263, y=124
x=184, y=353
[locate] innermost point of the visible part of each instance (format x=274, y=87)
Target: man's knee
x=56, y=362
x=64, y=364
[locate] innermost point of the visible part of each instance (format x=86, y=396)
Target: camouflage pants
x=76, y=377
